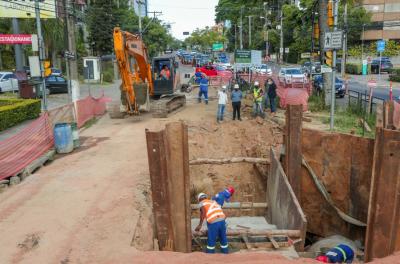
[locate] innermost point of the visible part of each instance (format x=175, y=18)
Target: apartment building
x=386, y=15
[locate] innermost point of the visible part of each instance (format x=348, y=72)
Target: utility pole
x=139, y=2
x=235, y=37
x=250, y=31
x=73, y=69
x=266, y=29
x=17, y=47
x=241, y=27
x=323, y=26
x=344, y=56
x=333, y=91
x=281, y=51
x=41, y=54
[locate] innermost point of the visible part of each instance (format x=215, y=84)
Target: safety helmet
x=236, y=86
x=231, y=190
x=256, y=83
x=201, y=195
x=223, y=87
x=323, y=259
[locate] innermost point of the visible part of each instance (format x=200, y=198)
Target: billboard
x=243, y=56
x=26, y=9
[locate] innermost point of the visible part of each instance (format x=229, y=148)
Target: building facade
x=385, y=14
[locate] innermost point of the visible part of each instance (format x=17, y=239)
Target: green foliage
x=395, y=75
x=391, y=49
x=108, y=75
x=15, y=111
x=104, y=15
x=316, y=102
x=297, y=24
x=352, y=68
x=204, y=38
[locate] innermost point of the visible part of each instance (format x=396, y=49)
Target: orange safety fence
x=22, y=149
x=396, y=115
x=88, y=108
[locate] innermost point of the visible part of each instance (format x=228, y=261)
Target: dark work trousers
x=236, y=109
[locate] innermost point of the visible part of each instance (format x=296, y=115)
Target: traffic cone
x=391, y=92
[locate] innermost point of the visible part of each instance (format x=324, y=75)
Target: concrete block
x=14, y=180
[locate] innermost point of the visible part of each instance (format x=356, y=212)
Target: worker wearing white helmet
x=212, y=212
x=258, y=94
x=222, y=100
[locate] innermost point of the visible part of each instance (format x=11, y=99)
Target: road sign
x=333, y=40
x=286, y=50
x=325, y=69
x=372, y=83
x=218, y=47
x=256, y=57
x=186, y=33
x=15, y=39
x=305, y=55
x=280, y=50
x=380, y=45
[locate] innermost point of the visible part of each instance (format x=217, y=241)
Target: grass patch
x=349, y=121
x=316, y=103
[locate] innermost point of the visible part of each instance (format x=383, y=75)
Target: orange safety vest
x=213, y=210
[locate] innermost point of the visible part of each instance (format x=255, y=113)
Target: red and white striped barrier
x=88, y=108
x=22, y=149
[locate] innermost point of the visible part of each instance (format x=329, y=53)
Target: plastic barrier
x=88, y=108
x=20, y=150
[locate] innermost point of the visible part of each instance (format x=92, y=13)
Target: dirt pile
x=251, y=138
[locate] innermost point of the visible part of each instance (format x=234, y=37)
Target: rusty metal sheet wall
x=168, y=155
x=383, y=232
x=343, y=163
x=284, y=210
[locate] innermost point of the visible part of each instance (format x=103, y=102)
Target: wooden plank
x=266, y=232
x=178, y=184
x=284, y=209
x=383, y=230
x=293, y=153
x=159, y=187
x=201, y=161
x=273, y=241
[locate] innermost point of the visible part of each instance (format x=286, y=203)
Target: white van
x=8, y=82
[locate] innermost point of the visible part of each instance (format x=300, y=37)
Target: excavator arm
x=134, y=68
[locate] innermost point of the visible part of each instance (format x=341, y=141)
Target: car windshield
x=1, y=75
x=293, y=71
x=264, y=67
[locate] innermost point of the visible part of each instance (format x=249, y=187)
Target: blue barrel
x=63, y=138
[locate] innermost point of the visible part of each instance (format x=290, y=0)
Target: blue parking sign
x=380, y=46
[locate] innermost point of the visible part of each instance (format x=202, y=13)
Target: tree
x=204, y=38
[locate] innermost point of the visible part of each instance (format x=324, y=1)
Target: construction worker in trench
x=212, y=212
x=340, y=254
x=203, y=91
x=224, y=196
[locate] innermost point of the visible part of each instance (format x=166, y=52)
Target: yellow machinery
x=140, y=80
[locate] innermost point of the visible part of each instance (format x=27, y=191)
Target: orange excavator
x=142, y=81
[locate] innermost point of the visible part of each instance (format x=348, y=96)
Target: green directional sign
x=218, y=47
x=243, y=56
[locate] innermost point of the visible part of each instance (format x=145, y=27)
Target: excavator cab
x=163, y=84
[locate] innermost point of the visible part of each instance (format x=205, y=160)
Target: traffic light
x=47, y=68
x=330, y=13
x=316, y=31
x=328, y=58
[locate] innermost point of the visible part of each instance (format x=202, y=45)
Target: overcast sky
x=186, y=15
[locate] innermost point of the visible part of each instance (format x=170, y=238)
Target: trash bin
x=26, y=90
x=63, y=138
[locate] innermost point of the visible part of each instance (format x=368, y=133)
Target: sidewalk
x=382, y=83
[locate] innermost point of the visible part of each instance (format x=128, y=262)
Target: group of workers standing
x=261, y=100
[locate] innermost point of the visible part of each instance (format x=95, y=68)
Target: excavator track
x=167, y=104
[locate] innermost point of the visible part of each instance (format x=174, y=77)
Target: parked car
x=386, y=65
x=8, y=82
x=264, y=69
x=56, y=84
x=339, y=85
x=292, y=77
x=208, y=70
x=56, y=72
x=311, y=67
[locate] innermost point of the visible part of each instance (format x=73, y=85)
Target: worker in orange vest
x=212, y=212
